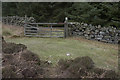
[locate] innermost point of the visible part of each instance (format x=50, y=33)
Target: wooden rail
x=31, y=28
x=49, y=31
x=48, y=23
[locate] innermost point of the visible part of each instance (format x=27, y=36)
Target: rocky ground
x=18, y=62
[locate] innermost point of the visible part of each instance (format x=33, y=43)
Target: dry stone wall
x=17, y=20
x=105, y=34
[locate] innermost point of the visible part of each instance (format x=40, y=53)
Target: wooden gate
x=46, y=29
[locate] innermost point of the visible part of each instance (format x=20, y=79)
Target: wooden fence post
x=66, y=27
x=51, y=30
x=37, y=30
x=15, y=22
x=25, y=24
x=7, y=22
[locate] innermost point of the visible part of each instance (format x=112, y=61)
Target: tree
x=104, y=14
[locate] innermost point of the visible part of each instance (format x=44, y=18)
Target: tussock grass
x=9, y=30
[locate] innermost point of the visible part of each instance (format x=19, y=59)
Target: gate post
x=25, y=24
x=7, y=20
x=66, y=27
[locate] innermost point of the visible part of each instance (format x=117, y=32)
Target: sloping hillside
x=18, y=62
x=12, y=31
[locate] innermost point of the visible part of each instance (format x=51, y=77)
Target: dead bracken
x=84, y=67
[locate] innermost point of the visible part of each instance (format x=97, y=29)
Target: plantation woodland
x=105, y=14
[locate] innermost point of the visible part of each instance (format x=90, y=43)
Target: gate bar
x=48, y=23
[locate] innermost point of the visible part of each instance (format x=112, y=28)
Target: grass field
x=53, y=49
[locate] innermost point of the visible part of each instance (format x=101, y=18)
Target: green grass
x=104, y=55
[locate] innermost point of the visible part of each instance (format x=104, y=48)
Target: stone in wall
x=104, y=34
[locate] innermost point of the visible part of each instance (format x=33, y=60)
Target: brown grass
x=12, y=30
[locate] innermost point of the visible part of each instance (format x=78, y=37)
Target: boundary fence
x=33, y=29
x=46, y=29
